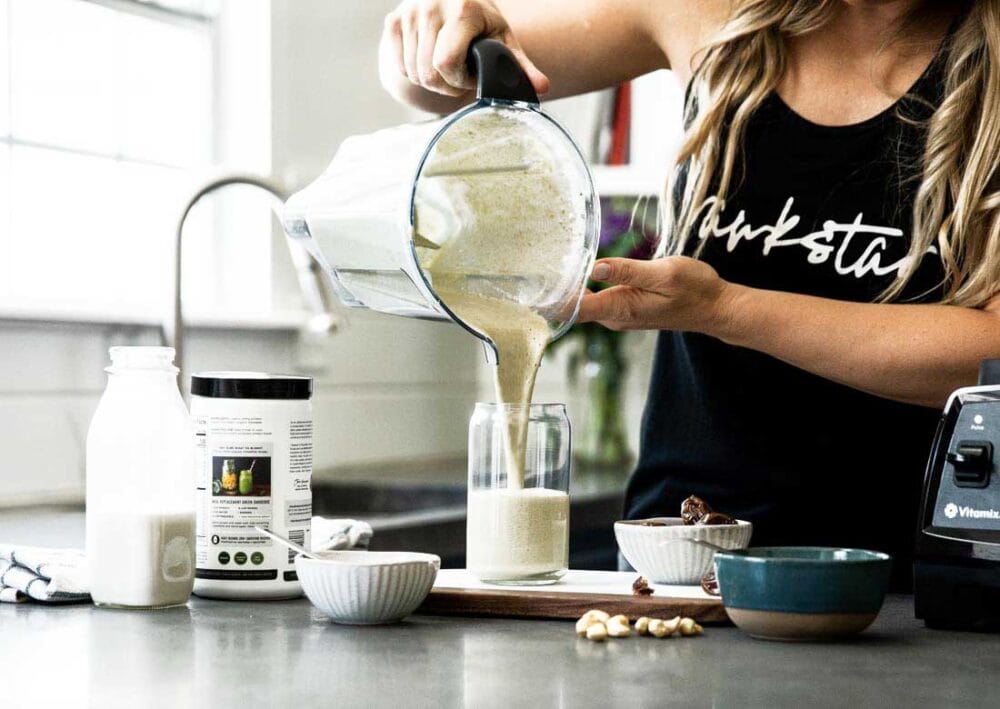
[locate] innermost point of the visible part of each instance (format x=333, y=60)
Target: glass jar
x=518, y=534
x=229, y=476
x=246, y=482
x=140, y=492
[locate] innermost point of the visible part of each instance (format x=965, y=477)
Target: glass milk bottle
x=140, y=489
x=518, y=520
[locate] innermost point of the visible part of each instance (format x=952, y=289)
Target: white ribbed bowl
x=367, y=587
x=677, y=553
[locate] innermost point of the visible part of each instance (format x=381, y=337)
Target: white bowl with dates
x=668, y=551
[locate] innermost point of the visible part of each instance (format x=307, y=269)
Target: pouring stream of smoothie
x=520, y=336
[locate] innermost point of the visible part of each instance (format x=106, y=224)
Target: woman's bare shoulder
x=681, y=27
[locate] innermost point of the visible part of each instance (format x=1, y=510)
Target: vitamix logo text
x=951, y=510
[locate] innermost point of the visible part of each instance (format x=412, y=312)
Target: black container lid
x=250, y=385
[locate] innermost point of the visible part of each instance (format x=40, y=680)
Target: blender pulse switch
x=972, y=461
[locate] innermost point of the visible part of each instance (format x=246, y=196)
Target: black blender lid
x=251, y=385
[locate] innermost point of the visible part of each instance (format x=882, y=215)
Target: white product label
x=253, y=470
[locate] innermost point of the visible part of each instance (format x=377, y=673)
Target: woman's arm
x=917, y=354
x=567, y=47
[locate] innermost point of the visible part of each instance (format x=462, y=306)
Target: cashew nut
x=672, y=625
x=658, y=628
x=617, y=627
x=588, y=619
x=642, y=625
x=597, y=625
x=688, y=627
x=597, y=632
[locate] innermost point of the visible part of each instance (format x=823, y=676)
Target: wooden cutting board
x=456, y=592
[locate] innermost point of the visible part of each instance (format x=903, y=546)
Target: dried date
x=710, y=584
x=693, y=509
x=640, y=587
x=717, y=518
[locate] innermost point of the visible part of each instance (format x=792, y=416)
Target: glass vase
x=601, y=440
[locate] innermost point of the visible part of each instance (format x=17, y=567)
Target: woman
x=831, y=250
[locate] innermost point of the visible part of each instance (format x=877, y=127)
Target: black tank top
x=824, y=211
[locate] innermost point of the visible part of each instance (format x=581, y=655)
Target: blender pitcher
x=401, y=212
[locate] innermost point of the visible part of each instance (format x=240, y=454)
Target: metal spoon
x=288, y=543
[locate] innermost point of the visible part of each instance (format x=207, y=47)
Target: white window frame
x=241, y=86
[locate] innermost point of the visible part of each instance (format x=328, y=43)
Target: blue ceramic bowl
x=802, y=593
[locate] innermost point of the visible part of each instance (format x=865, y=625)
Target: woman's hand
x=426, y=42
x=672, y=293
x=584, y=45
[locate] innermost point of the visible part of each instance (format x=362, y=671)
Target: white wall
x=50, y=382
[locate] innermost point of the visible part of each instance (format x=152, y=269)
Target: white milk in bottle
x=140, y=492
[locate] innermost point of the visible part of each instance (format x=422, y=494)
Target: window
x=108, y=108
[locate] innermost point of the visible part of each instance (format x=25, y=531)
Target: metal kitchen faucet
x=308, y=271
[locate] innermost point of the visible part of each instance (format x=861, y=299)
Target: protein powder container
x=253, y=462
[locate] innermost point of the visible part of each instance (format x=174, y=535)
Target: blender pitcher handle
x=498, y=74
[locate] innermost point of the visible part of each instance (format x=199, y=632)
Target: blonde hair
x=957, y=206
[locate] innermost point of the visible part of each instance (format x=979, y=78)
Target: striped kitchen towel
x=47, y=575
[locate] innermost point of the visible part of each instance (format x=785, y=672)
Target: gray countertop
x=276, y=654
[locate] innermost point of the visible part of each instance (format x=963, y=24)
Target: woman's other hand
x=425, y=43
x=672, y=293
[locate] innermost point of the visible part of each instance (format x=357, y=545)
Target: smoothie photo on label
x=229, y=479
x=246, y=480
